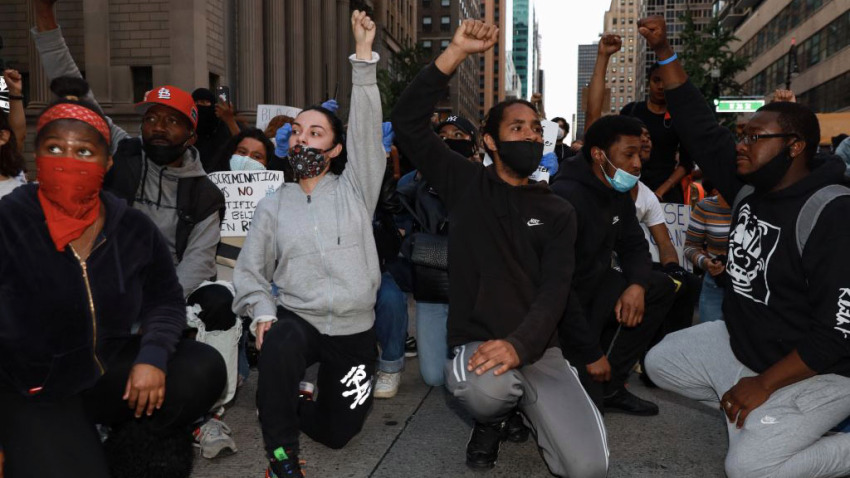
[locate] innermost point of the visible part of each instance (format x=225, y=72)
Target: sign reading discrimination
x=242, y=191
x=265, y=113
x=676, y=217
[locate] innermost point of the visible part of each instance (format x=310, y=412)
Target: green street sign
x=737, y=106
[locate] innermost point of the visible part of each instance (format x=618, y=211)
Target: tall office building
x=266, y=51
x=673, y=11
x=397, y=21
x=525, y=45
x=493, y=62
x=438, y=20
x=625, y=78
x=766, y=30
x=586, y=61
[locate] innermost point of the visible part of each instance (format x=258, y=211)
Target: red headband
x=75, y=112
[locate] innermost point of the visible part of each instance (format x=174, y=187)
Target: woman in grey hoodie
x=313, y=239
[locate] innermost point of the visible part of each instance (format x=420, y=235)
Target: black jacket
x=776, y=301
x=510, y=248
x=48, y=336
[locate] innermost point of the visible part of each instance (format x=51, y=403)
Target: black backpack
x=197, y=197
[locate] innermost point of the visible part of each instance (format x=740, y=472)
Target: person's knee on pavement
x=743, y=463
x=490, y=399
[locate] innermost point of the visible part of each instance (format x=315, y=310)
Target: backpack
x=197, y=197
x=808, y=216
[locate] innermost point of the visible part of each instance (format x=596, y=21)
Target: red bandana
x=76, y=112
x=69, y=193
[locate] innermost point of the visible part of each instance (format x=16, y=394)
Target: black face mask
x=463, y=147
x=522, y=157
x=768, y=176
x=206, y=119
x=163, y=155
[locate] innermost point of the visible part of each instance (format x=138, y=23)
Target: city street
x=421, y=432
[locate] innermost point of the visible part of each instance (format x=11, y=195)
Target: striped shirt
x=708, y=230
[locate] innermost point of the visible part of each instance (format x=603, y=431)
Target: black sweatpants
x=630, y=343
x=57, y=438
x=347, y=364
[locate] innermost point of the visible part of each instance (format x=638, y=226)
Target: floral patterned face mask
x=308, y=162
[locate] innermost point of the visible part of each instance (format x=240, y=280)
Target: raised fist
x=475, y=36
x=363, y=28
x=610, y=44
x=654, y=30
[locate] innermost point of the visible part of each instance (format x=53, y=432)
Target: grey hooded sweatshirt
x=319, y=248
x=157, y=195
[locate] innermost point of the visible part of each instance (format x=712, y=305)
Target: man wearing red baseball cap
x=160, y=174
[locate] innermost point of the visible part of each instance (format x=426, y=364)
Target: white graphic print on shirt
x=355, y=378
x=751, y=245
x=842, y=319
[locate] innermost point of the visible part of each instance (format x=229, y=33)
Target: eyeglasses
x=750, y=139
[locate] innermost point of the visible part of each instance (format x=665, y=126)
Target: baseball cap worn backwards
x=173, y=97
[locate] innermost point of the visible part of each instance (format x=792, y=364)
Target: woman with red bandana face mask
x=71, y=362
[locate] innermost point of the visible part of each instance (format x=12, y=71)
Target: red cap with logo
x=173, y=97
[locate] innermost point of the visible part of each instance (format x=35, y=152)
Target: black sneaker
x=284, y=464
x=626, y=402
x=517, y=432
x=410, y=347
x=482, y=450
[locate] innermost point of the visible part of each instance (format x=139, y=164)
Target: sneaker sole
x=480, y=466
x=411, y=354
x=385, y=394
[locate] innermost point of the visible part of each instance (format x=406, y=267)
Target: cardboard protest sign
x=242, y=191
x=265, y=113
x=676, y=217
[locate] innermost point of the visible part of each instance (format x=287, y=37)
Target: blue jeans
x=431, y=341
x=391, y=324
x=710, y=300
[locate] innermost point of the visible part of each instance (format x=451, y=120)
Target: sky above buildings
x=564, y=24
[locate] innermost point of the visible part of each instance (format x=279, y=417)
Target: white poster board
x=4, y=95
x=676, y=217
x=550, y=136
x=242, y=191
x=265, y=113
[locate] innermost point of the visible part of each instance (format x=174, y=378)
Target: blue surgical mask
x=244, y=163
x=622, y=181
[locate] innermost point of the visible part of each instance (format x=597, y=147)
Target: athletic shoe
x=517, y=432
x=387, y=384
x=306, y=390
x=213, y=438
x=482, y=450
x=626, y=402
x=285, y=463
x=410, y=347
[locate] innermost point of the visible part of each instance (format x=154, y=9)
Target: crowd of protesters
x=535, y=300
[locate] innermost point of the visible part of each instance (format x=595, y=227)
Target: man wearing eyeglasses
x=779, y=367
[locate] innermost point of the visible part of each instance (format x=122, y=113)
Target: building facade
x=492, y=63
x=673, y=12
x=820, y=29
x=438, y=20
x=586, y=61
x=625, y=77
x=289, y=52
x=525, y=46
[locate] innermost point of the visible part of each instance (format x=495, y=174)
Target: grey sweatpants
x=781, y=438
x=568, y=427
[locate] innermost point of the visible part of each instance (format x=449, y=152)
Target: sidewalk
x=421, y=432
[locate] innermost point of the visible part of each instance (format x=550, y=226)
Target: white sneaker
x=387, y=384
x=214, y=439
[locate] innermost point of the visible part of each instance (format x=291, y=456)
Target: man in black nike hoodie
x=623, y=300
x=511, y=255
x=779, y=367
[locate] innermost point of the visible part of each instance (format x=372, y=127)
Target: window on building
x=426, y=4
x=142, y=81
x=445, y=3
x=444, y=44
x=426, y=44
x=426, y=24
x=445, y=23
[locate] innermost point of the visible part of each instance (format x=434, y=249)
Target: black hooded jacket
x=776, y=301
x=54, y=341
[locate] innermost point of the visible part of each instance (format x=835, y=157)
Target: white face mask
x=561, y=133
x=244, y=163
